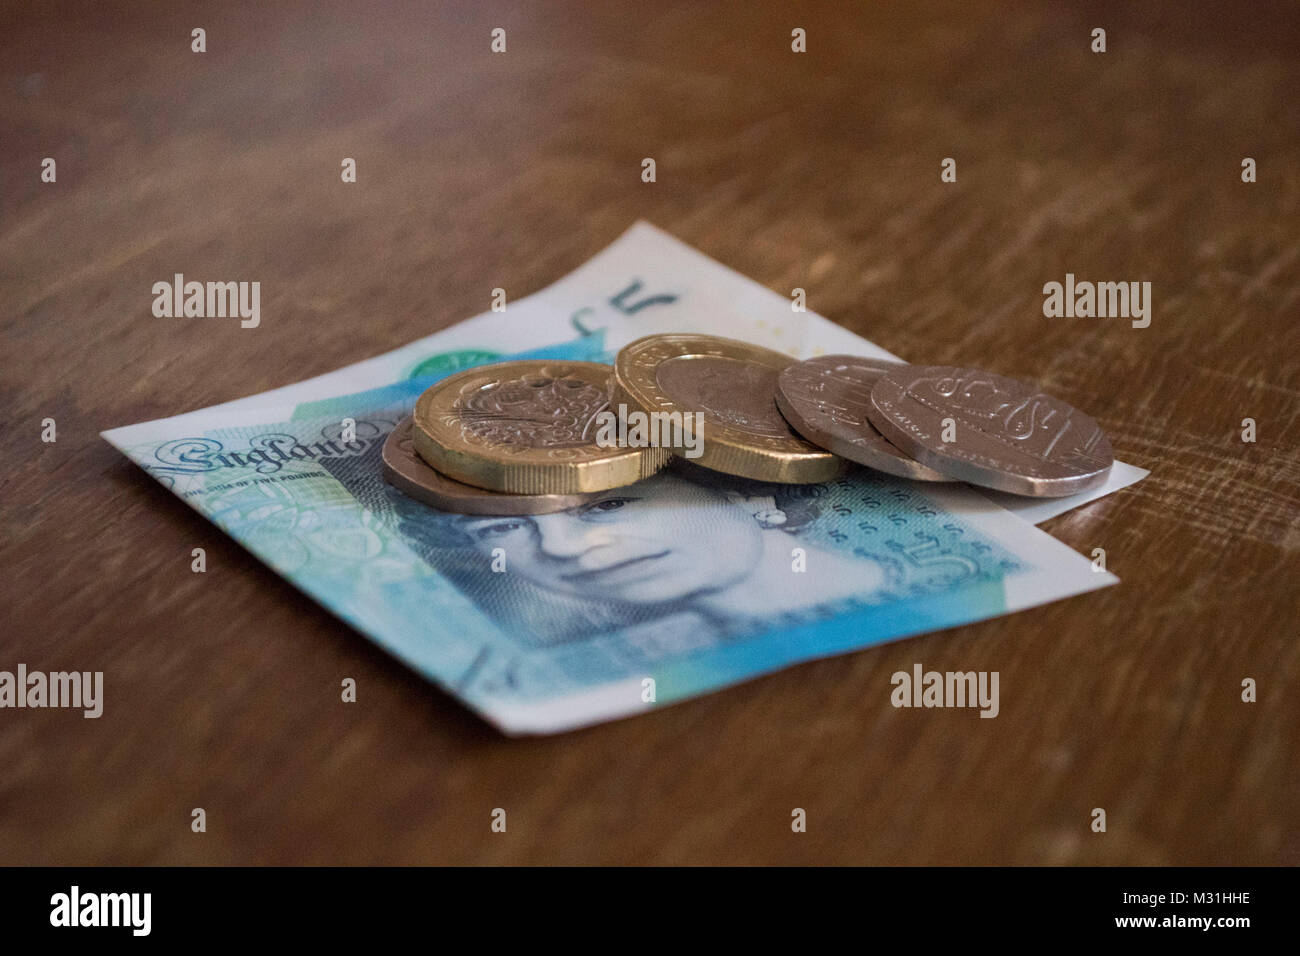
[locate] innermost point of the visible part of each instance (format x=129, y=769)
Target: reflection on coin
x=1006, y=434
x=732, y=384
x=826, y=399
x=408, y=473
x=527, y=428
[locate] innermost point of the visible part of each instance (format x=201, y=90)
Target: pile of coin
x=537, y=436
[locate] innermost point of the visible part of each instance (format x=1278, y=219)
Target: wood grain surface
x=818, y=170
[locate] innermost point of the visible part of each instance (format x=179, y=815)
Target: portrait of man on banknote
x=687, y=556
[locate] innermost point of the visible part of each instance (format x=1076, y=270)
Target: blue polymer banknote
x=652, y=593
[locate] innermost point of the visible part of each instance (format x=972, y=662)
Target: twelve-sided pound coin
x=730, y=386
x=527, y=427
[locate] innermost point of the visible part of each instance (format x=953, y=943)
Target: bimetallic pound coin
x=825, y=399
x=408, y=473
x=1006, y=434
x=733, y=386
x=527, y=428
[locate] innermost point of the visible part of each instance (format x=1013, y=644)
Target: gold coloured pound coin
x=725, y=392
x=411, y=474
x=527, y=428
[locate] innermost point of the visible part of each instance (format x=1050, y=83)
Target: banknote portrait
x=687, y=556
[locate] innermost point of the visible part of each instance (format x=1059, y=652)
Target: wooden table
x=819, y=170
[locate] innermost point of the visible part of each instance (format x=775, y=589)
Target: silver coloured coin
x=826, y=400
x=1004, y=433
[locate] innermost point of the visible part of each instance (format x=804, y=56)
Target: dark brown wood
x=818, y=170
